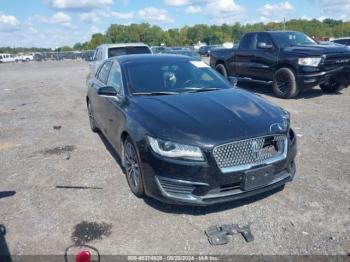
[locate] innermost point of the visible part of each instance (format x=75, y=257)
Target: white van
x=7, y=58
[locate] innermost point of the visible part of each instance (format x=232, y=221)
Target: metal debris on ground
x=68, y=156
x=218, y=235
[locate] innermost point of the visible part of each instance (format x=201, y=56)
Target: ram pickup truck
x=291, y=61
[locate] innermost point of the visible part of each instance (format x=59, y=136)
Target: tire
x=132, y=168
x=221, y=69
x=92, y=121
x=284, y=83
x=332, y=87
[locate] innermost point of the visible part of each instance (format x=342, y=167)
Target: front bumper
x=311, y=79
x=204, y=184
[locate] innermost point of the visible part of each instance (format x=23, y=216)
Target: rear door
x=244, y=56
x=97, y=102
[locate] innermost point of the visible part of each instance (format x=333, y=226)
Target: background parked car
x=8, y=58
x=27, y=57
x=186, y=52
x=106, y=51
x=204, y=50
x=158, y=49
x=39, y=57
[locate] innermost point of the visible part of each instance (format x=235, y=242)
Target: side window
x=248, y=42
x=263, y=39
x=115, y=77
x=104, y=71
x=98, y=55
x=95, y=55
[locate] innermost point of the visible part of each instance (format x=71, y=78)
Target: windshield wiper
x=201, y=89
x=154, y=93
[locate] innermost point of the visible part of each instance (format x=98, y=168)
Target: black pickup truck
x=291, y=61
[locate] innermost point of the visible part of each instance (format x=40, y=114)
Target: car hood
x=317, y=49
x=208, y=118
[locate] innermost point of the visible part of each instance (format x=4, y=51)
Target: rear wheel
x=221, y=69
x=132, y=168
x=332, y=87
x=92, y=121
x=284, y=83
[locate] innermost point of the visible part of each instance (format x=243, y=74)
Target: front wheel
x=332, y=87
x=221, y=69
x=284, y=83
x=132, y=168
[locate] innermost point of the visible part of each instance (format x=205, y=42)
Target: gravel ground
x=46, y=146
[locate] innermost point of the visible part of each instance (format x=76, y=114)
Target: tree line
x=211, y=34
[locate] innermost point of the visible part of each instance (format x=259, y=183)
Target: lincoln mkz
x=185, y=134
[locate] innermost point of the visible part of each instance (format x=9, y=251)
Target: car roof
x=121, y=45
x=149, y=58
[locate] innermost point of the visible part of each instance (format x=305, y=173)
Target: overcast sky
x=51, y=23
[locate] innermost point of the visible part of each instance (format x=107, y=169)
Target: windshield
x=286, y=39
x=173, y=77
x=128, y=50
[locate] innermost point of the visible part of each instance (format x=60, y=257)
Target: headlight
x=175, y=150
x=310, y=61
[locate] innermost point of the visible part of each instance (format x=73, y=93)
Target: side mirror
x=107, y=91
x=263, y=45
x=233, y=80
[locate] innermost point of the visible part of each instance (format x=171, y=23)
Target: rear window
x=128, y=50
x=342, y=41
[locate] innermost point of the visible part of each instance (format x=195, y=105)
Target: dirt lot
x=38, y=162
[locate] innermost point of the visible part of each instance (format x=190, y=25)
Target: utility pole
x=284, y=24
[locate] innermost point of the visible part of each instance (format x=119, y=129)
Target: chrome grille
x=244, y=154
x=338, y=59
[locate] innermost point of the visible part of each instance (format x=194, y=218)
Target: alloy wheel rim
x=132, y=166
x=283, y=83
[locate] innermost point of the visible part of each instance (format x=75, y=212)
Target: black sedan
x=187, y=135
